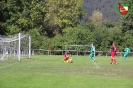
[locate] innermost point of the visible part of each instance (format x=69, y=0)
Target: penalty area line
x=96, y=65
x=9, y=65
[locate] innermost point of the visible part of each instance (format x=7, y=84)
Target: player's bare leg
x=111, y=60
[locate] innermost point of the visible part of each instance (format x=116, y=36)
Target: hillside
x=104, y=6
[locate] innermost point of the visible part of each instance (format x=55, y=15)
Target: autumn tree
x=96, y=16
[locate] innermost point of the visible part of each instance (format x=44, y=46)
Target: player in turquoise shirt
x=127, y=51
x=92, y=52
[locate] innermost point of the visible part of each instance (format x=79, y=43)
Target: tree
x=128, y=40
x=3, y=17
x=25, y=15
x=64, y=13
x=96, y=16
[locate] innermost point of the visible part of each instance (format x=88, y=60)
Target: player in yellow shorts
x=67, y=58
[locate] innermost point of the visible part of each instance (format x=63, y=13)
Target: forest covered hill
x=104, y=6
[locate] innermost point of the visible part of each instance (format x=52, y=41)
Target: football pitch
x=50, y=72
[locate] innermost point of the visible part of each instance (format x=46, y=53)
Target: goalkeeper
x=92, y=52
x=126, y=53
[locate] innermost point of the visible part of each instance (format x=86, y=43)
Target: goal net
x=13, y=46
x=78, y=49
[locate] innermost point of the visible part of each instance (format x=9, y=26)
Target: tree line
x=53, y=24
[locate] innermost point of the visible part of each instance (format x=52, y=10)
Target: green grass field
x=50, y=72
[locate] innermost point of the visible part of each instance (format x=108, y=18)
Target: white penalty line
x=9, y=65
x=95, y=64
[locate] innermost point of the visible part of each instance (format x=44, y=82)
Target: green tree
x=64, y=13
x=128, y=40
x=3, y=17
x=25, y=15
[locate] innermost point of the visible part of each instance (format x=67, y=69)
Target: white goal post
x=15, y=45
x=78, y=48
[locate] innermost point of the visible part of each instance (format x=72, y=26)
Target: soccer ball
x=70, y=61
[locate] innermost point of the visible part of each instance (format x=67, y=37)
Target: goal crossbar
x=12, y=39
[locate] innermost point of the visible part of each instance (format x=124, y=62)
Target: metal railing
x=73, y=52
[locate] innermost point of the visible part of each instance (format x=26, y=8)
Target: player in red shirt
x=66, y=56
x=113, y=53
